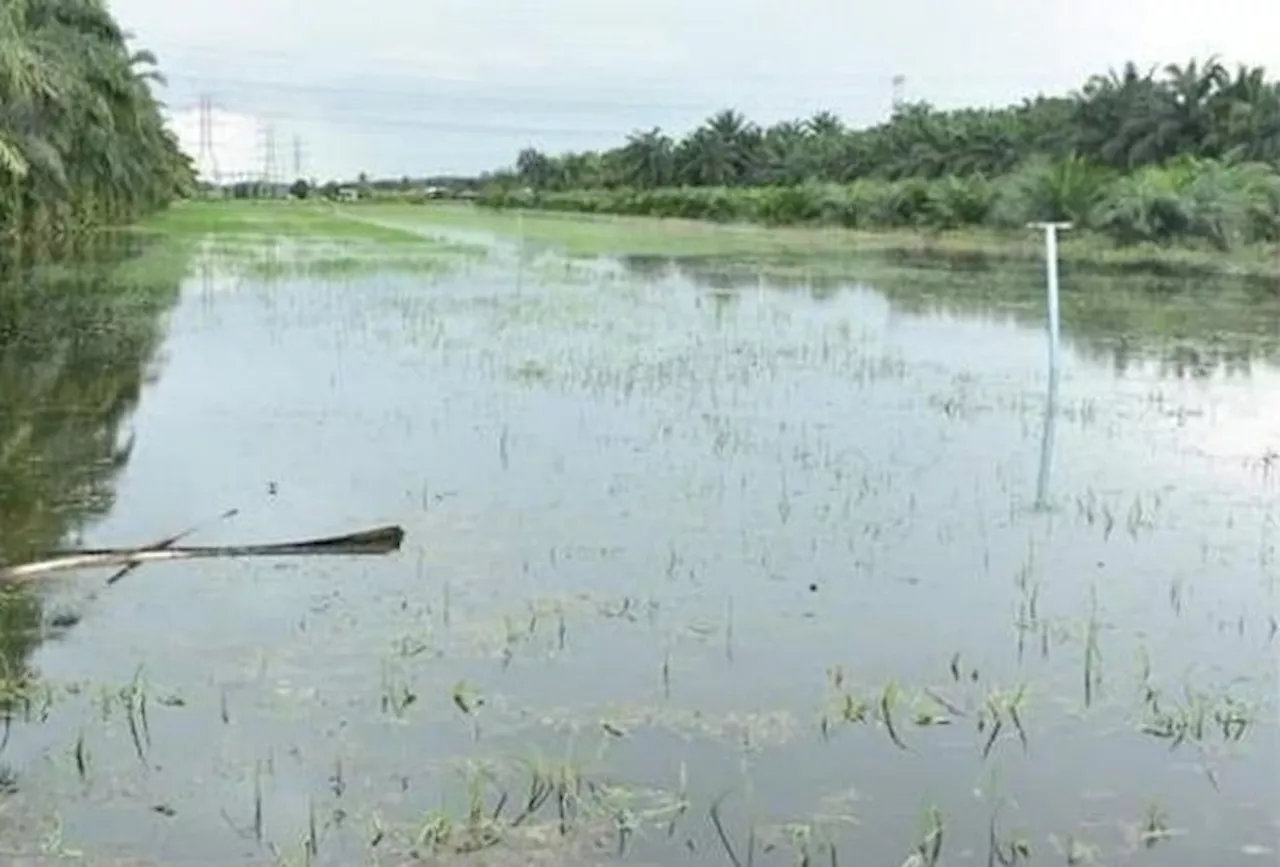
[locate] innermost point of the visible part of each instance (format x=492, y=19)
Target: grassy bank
x=430, y=226
x=270, y=219
x=611, y=234
x=269, y=240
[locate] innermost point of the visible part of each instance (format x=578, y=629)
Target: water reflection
x=1047, y=438
x=727, y=536
x=76, y=338
x=1185, y=330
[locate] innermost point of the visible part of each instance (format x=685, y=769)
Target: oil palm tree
x=648, y=159
x=81, y=132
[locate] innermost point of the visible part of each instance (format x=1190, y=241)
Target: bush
x=1045, y=189
x=1205, y=201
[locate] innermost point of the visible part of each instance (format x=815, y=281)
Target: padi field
x=711, y=543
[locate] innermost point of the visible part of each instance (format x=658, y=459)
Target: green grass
x=429, y=226
x=277, y=240
x=272, y=219
x=586, y=235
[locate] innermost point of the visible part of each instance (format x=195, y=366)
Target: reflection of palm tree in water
x=1122, y=321
x=73, y=352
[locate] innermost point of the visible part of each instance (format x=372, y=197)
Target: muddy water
x=676, y=538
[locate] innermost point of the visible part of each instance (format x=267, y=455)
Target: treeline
x=82, y=138
x=1161, y=155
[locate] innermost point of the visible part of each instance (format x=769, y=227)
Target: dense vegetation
x=82, y=139
x=1185, y=153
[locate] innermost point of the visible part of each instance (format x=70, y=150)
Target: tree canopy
x=1122, y=120
x=82, y=137
x=1183, y=154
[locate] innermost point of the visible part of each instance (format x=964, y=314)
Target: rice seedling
x=701, y=463
x=999, y=708
x=397, y=696
x=134, y=698
x=927, y=852
x=81, y=755
x=8, y=781
x=468, y=701
x=1009, y=851
x=1195, y=716
x=1155, y=826
x=1092, y=655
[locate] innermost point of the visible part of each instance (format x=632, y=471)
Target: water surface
x=679, y=536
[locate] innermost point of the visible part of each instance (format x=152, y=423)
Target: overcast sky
x=418, y=87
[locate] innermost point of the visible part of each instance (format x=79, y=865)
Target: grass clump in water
x=534, y=811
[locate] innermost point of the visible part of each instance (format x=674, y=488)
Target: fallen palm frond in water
x=164, y=543
x=379, y=540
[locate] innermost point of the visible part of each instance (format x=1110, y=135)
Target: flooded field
x=707, y=562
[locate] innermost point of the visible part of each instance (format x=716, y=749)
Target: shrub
x=1052, y=189
x=1220, y=203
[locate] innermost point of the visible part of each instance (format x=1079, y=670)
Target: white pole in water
x=1054, y=326
x=1051, y=269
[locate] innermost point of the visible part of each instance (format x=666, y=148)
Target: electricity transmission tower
x=267, y=136
x=206, y=158
x=899, y=91
x=271, y=153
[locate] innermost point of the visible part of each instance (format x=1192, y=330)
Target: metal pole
x=1051, y=266
x=1051, y=288
x=1051, y=284
x=1054, y=328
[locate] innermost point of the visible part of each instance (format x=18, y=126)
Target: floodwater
x=701, y=567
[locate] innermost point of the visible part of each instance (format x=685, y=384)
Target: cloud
x=235, y=139
x=405, y=86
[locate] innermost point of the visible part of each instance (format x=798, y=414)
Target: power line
x=371, y=121
x=428, y=90
x=368, y=117
x=357, y=106
x=207, y=154
x=428, y=119
x=413, y=66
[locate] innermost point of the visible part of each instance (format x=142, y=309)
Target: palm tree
x=648, y=159
x=81, y=132
x=825, y=123
x=721, y=151
x=1190, y=91
x=1123, y=120
x=1246, y=117
x=786, y=155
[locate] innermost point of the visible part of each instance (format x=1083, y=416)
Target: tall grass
x=1219, y=204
